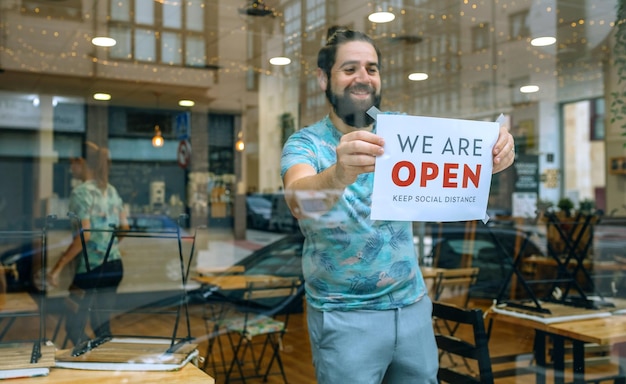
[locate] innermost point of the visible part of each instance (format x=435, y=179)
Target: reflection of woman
x=98, y=206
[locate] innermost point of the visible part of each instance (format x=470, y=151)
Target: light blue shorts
x=362, y=347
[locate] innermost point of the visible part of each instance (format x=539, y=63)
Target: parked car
x=258, y=211
x=282, y=220
x=282, y=258
x=490, y=248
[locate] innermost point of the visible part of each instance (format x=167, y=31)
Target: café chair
x=453, y=285
x=217, y=310
x=264, y=314
x=476, y=350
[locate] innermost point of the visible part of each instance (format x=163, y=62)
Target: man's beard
x=351, y=112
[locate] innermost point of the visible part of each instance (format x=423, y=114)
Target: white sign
x=433, y=169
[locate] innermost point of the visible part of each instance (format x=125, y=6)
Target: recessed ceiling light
x=102, y=96
x=542, y=41
x=103, y=41
x=186, y=103
x=529, y=89
x=381, y=17
x=418, y=76
x=280, y=60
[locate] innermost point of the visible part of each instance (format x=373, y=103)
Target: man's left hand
x=504, y=150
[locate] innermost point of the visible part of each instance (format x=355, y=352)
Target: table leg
x=540, y=356
x=558, y=358
x=620, y=350
x=579, y=361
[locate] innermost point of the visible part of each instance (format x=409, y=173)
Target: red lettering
x=449, y=174
x=395, y=174
x=469, y=175
x=430, y=171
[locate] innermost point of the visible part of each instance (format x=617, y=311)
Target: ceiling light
x=381, y=17
x=418, y=76
x=529, y=89
x=280, y=60
x=542, y=41
x=102, y=96
x=186, y=103
x=103, y=41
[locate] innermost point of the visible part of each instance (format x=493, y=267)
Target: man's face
x=354, y=84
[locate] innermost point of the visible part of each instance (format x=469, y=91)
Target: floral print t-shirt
x=87, y=201
x=349, y=261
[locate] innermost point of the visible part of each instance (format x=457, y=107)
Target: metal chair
x=477, y=350
x=264, y=314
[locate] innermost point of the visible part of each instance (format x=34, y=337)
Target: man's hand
x=356, y=154
x=504, y=150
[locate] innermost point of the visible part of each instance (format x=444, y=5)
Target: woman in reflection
x=98, y=206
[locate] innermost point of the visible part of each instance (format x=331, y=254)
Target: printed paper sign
x=433, y=169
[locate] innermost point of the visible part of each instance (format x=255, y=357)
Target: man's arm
x=356, y=154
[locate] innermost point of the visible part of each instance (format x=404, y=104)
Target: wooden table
x=236, y=282
x=20, y=302
x=188, y=374
x=13, y=305
x=606, y=331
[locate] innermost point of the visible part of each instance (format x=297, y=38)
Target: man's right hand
x=356, y=154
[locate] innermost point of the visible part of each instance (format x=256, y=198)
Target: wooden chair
x=264, y=315
x=477, y=350
x=452, y=286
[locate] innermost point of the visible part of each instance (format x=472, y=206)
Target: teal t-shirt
x=349, y=261
x=87, y=201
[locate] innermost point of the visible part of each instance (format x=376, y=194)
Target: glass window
x=480, y=37
x=518, y=25
x=171, y=48
x=597, y=119
x=176, y=37
x=144, y=12
x=477, y=55
x=195, y=51
x=120, y=10
x=194, y=15
x=172, y=15
x=145, y=48
x=123, y=48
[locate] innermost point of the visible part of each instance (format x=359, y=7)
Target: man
x=368, y=312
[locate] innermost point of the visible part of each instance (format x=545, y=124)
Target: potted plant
x=565, y=205
x=587, y=206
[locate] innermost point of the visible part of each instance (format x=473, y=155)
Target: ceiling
x=32, y=47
